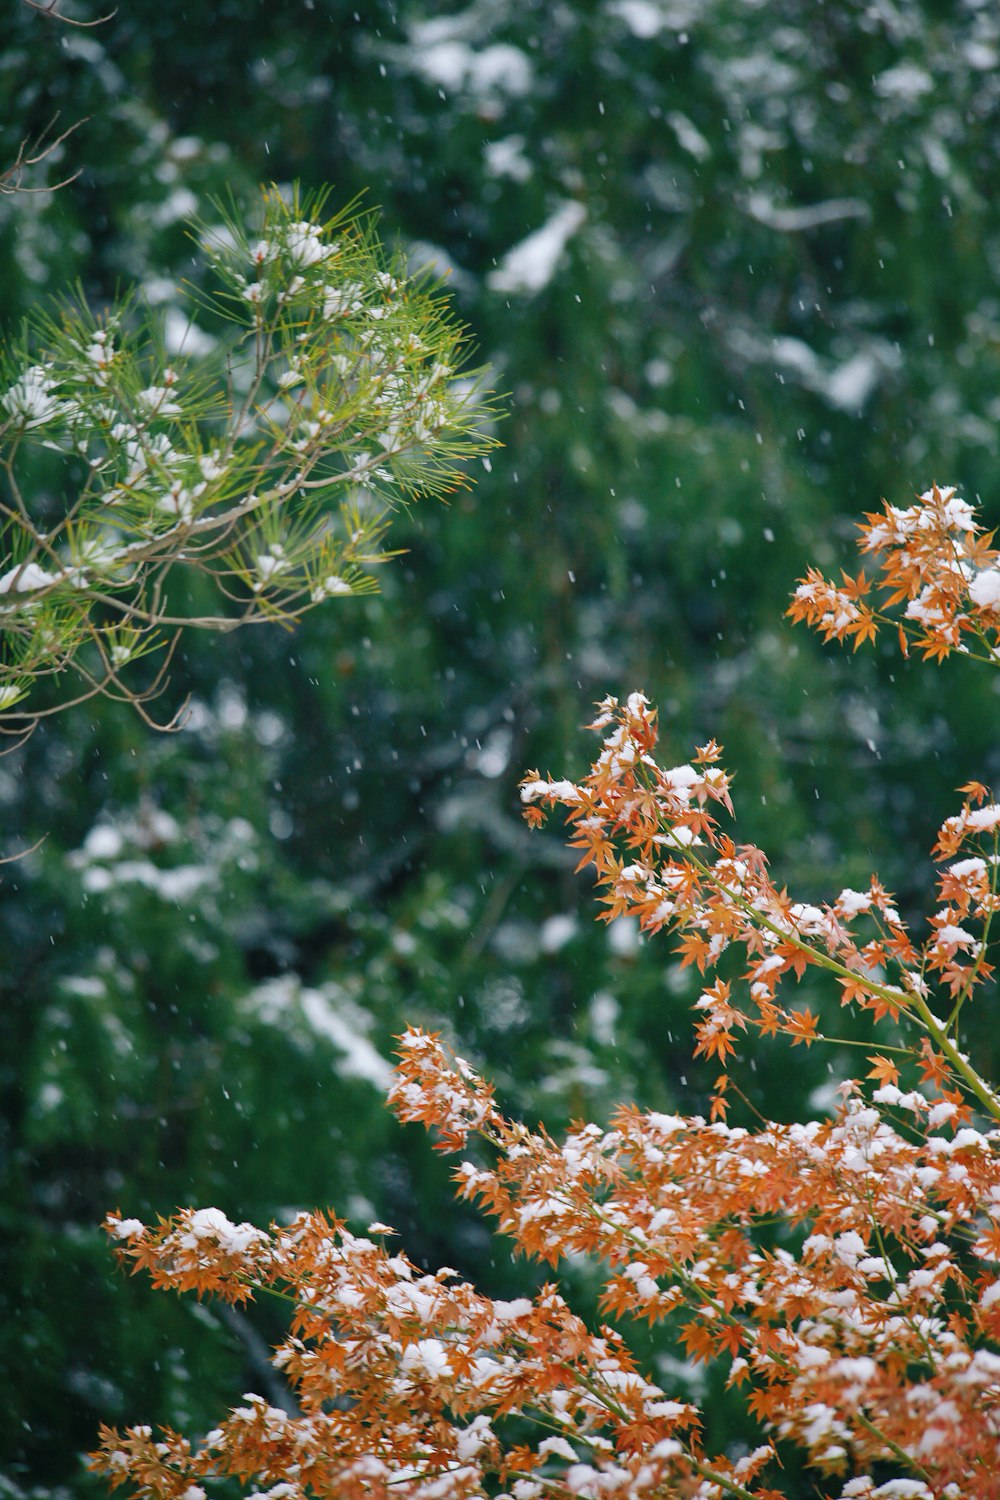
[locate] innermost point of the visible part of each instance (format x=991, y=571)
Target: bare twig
x=50, y=11
x=30, y=153
x=12, y=859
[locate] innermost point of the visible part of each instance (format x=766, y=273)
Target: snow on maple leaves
x=937, y=561
x=661, y=857
x=845, y=1272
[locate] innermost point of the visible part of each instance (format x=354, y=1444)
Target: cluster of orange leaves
x=660, y=857
x=844, y=1272
x=936, y=560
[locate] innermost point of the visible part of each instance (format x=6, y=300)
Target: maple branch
x=980, y=959
x=976, y=1084
x=731, y=1486
x=900, y=1453
x=907, y=1001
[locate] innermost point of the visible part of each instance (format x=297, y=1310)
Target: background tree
x=728, y=318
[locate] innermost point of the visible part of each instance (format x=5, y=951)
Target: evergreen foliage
x=270, y=475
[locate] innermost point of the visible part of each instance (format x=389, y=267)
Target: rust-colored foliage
x=935, y=559
x=843, y=1272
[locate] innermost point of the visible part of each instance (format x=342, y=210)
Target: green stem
x=899, y=1453
x=912, y=1003
x=952, y=1022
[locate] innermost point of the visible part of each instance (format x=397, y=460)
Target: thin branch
x=10, y=177
x=12, y=859
x=50, y=12
x=24, y=724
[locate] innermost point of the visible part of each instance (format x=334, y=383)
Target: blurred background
x=735, y=264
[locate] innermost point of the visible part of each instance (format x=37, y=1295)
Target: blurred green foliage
x=764, y=296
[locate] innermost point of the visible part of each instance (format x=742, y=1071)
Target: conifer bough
x=145, y=493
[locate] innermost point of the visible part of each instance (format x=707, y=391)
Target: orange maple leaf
x=882, y=1069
